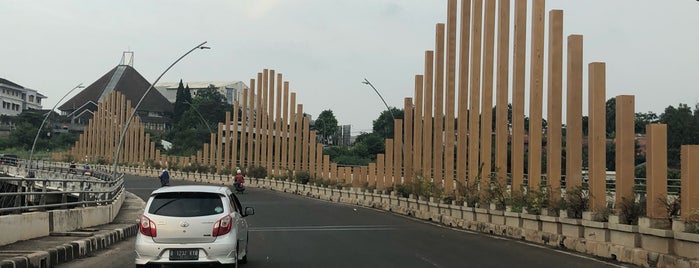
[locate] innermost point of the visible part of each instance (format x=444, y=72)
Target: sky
x=325, y=49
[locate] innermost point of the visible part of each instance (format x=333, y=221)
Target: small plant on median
x=302, y=177
x=630, y=211
x=257, y=172
x=577, y=201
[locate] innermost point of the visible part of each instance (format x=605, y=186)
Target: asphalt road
x=293, y=231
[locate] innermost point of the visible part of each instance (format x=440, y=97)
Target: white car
x=192, y=224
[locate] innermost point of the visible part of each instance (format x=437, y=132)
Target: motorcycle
x=239, y=187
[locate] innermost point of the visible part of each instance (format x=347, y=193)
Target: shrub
x=257, y=172
x=497, y=194
x=576, y=201
x=226, y=170
x=469, y=193
x=672, y=206
x=630, y=211
x=302, y=177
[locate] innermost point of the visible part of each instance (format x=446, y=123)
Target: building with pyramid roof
x=155, y=111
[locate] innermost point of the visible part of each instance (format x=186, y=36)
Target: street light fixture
x=366, y=82
x=128, y=122
x=31, y=154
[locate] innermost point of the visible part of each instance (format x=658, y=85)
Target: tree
x=207, y=109
x=181, y=102
x=326, y=125
x=383, y=126
x=682, y=128
x=643, y=119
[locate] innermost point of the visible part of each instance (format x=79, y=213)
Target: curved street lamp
x=31, y=154
x=128, y=122
x=200, y=116
x=366, y=82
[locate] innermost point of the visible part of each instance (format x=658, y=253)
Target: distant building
x=155, y=111
x=342, y=135
x=16, y=98
x=232, y=90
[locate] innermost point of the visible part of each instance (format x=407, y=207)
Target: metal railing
x=50, y=185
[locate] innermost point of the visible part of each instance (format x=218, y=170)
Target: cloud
x=255, y=9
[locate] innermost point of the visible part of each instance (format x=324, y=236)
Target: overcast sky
x=326, y=48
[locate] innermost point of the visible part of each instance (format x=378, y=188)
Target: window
x=186, y=204
x=31, y=98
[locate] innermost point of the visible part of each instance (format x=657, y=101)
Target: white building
x=16, y=98
x=233, y=90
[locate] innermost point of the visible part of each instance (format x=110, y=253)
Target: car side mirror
x=249, y=211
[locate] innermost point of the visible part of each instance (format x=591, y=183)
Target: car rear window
x=186, y=204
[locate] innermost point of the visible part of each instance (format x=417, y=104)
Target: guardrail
x=49, y=185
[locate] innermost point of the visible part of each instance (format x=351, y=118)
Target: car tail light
x=147, y=226
x=223, y=226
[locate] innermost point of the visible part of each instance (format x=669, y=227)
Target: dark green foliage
x=576, y=201
x=256, y=172
x=326, y=125
x=383, y=126
x=302, y=177
x=630, y=211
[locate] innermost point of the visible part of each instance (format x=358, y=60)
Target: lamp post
x=128, y=122
x=200, y=116
x=31, y=154
x=366, y=82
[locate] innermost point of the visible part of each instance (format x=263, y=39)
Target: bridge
x=438, y=166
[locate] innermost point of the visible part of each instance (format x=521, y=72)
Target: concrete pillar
x=372, y=174
x=475, y=96
x=380, y=158
x=278, y=128
x=427, y=123
x=438, y=129
x=536, y=88
x=597, y=137
x=462, y=131
x=285, y=128
x=518, y=73
x=408, y=142
x=690, y=182
x=656, y=169
x=450, y=98
x=417, y=127
x=398, y=152
x=554, y=103
x=625, y=148
x=388, y=164
x=501, y=102
x=487, y=97
x=574, y=100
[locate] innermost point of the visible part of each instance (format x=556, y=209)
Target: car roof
x=192, y=188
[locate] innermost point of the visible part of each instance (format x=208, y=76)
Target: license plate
x=184, y=254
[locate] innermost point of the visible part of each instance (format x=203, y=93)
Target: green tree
x=326, y=125
x=383, y=126
x=181, y=102
x=207, y=109
x=682, y=128
x=643, y=119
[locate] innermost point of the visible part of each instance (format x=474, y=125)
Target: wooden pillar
x=224, y=133
x=212, y=151
x=427, y=123
x=450, y=98
x=271, y=169
x=372, y=174
x=519, y=61
x=597, y=135
x=417, y=128
x=438, y=129
x=398, y=152
x=501, y=121
x=333, y=173
x=299, y=137
x=251, y=123
x=487, y=98
x=305, y=145
x=265, y=118
x=285, y=128
x=380, y=158
x=625, y=149
x=319, y=160
x=656, y=170
x=233, y=140
x=462, y=131
x=388, y=164
x=574, y=72
x=292, y=133
x=312, y=153
x=278, y=170
x=554, y=103
x=243, y=128
x=475, y=96
x=326, y=167
x=536, y=87
x=408, y=142
x=258, y=123
x=690, y=182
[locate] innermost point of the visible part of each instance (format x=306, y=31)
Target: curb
x=70, y=251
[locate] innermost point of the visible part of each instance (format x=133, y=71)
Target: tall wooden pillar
x=462, y=131
x=270, y=124
x=625, y=148
x=380, y=158
x=388, y=164
x=475, y=96
x=212, y=151
x=251, y=123
x=326, y=167
x=487, y=98
x=372, y=174
x=224, y=132
x=292, y=133
x=501, y=121
x=312, y=153
x=554, y=102
x=299, y=137
x=243, y=128
x=656, y=169
x=334, y=174
x=408, y=142
x=690, y=182
x=278, y=170
x=438, y=129
x=258, y=123
x=536, y=87
x=398, y=151
x=265, y=117
x=234, y=139
x=519, y=63
x=450, y=98
x=417, y=128
x=285, y=128
x=574, y=94
x=319, y=160
x=597, y=137
x=305, y=145
x=427, y=123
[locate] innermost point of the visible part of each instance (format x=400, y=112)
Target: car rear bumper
x=220, y=251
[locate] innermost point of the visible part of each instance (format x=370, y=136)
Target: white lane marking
x=427, y=260
x=324, y=228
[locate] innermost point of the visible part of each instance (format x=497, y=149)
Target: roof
x=199, y=84
x=192, y=188
x=128, y=81
x=8, y=82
